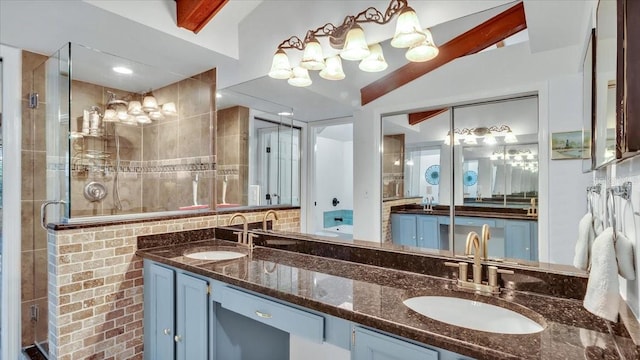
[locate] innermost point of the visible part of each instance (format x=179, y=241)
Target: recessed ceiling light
x=123, y=70
x=284, y=113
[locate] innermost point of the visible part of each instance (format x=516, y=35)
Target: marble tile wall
x=96, y=284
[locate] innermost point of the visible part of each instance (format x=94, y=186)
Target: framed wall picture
x=568, y=145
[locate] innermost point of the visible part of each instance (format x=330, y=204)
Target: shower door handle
x=43, y=211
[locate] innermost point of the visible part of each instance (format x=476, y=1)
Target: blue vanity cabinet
x=176, y=316
x=403, y=229
x=192, y=317
x=371, y=345
x=427, y=231
x=415, y=230
x=521, y=239
x=159, y=287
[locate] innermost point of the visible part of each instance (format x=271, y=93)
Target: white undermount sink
x=473, y=315
x=215, y=255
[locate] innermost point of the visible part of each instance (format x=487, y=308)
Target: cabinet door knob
x=263, y=315
x=166, y=331
x=177, y=338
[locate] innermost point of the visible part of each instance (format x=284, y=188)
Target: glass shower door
x=48, y=168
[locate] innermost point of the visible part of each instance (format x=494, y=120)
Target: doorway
x=332, y=180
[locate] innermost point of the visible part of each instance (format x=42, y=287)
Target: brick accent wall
x=96, y=285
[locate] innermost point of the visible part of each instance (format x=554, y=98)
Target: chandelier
x=470, y=136
x=349, y=38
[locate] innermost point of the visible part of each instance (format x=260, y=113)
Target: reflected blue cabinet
x=371, y=345
x=176, y=318
x=415, y=230
x=403, y=229
x=427, y=232
x=521, y=240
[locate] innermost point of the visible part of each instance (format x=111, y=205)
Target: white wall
x=334, y=176
x=11, y=219
x=507, y=71
x=617, y=174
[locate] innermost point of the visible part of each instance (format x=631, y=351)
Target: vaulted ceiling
x=243, y=34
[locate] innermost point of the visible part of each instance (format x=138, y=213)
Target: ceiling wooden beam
x=475, y=40
x=195, y=14
x=418, y=117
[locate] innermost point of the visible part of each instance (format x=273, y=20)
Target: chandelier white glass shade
x=333, y=69
x=349, y=39
x=280, y=67
x=375, y=61
x=408, y=30
x=355, y=46
x=300, y=77
x=312, y=58
x=423, y=51
x=487, y=133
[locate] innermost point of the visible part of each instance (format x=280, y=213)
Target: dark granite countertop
x=372, y=296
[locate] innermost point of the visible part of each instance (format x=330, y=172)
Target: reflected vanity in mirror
x=258, y=162
x=493, y=156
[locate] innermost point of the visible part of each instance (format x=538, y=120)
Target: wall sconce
x=349, y=38
x=487, y=133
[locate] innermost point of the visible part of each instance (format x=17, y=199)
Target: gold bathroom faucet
x=479, y=246
x=266, y=215
x=244, y=238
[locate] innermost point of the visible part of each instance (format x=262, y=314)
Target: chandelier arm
x=370, y=14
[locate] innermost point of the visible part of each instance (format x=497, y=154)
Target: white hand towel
x=583, y=245
x=602, y=295
x=624, y=254
x=598, y=226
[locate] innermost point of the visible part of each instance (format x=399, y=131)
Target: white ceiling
x=241, y=39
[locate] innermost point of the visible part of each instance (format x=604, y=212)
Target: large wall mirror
x=488, y=170
x=617, y=124
x=258, y=152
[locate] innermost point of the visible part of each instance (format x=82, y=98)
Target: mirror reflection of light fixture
x=471, y=134
x=132, y=112
x=409, y=162
x=349, y=39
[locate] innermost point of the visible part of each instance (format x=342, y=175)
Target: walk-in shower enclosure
x=111, y=137
x=124, y=137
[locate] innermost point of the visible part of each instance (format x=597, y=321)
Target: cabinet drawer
x=475, y=221
x=291, y=320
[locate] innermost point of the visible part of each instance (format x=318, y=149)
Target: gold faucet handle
x=493, y=274
x=240, y=236
x=250, y=237
x=462, y=269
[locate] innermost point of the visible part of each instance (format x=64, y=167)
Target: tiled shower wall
x=158, y=161
x=34, y=238
x=393, y=166
x=96, y=285
x=232, y=153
